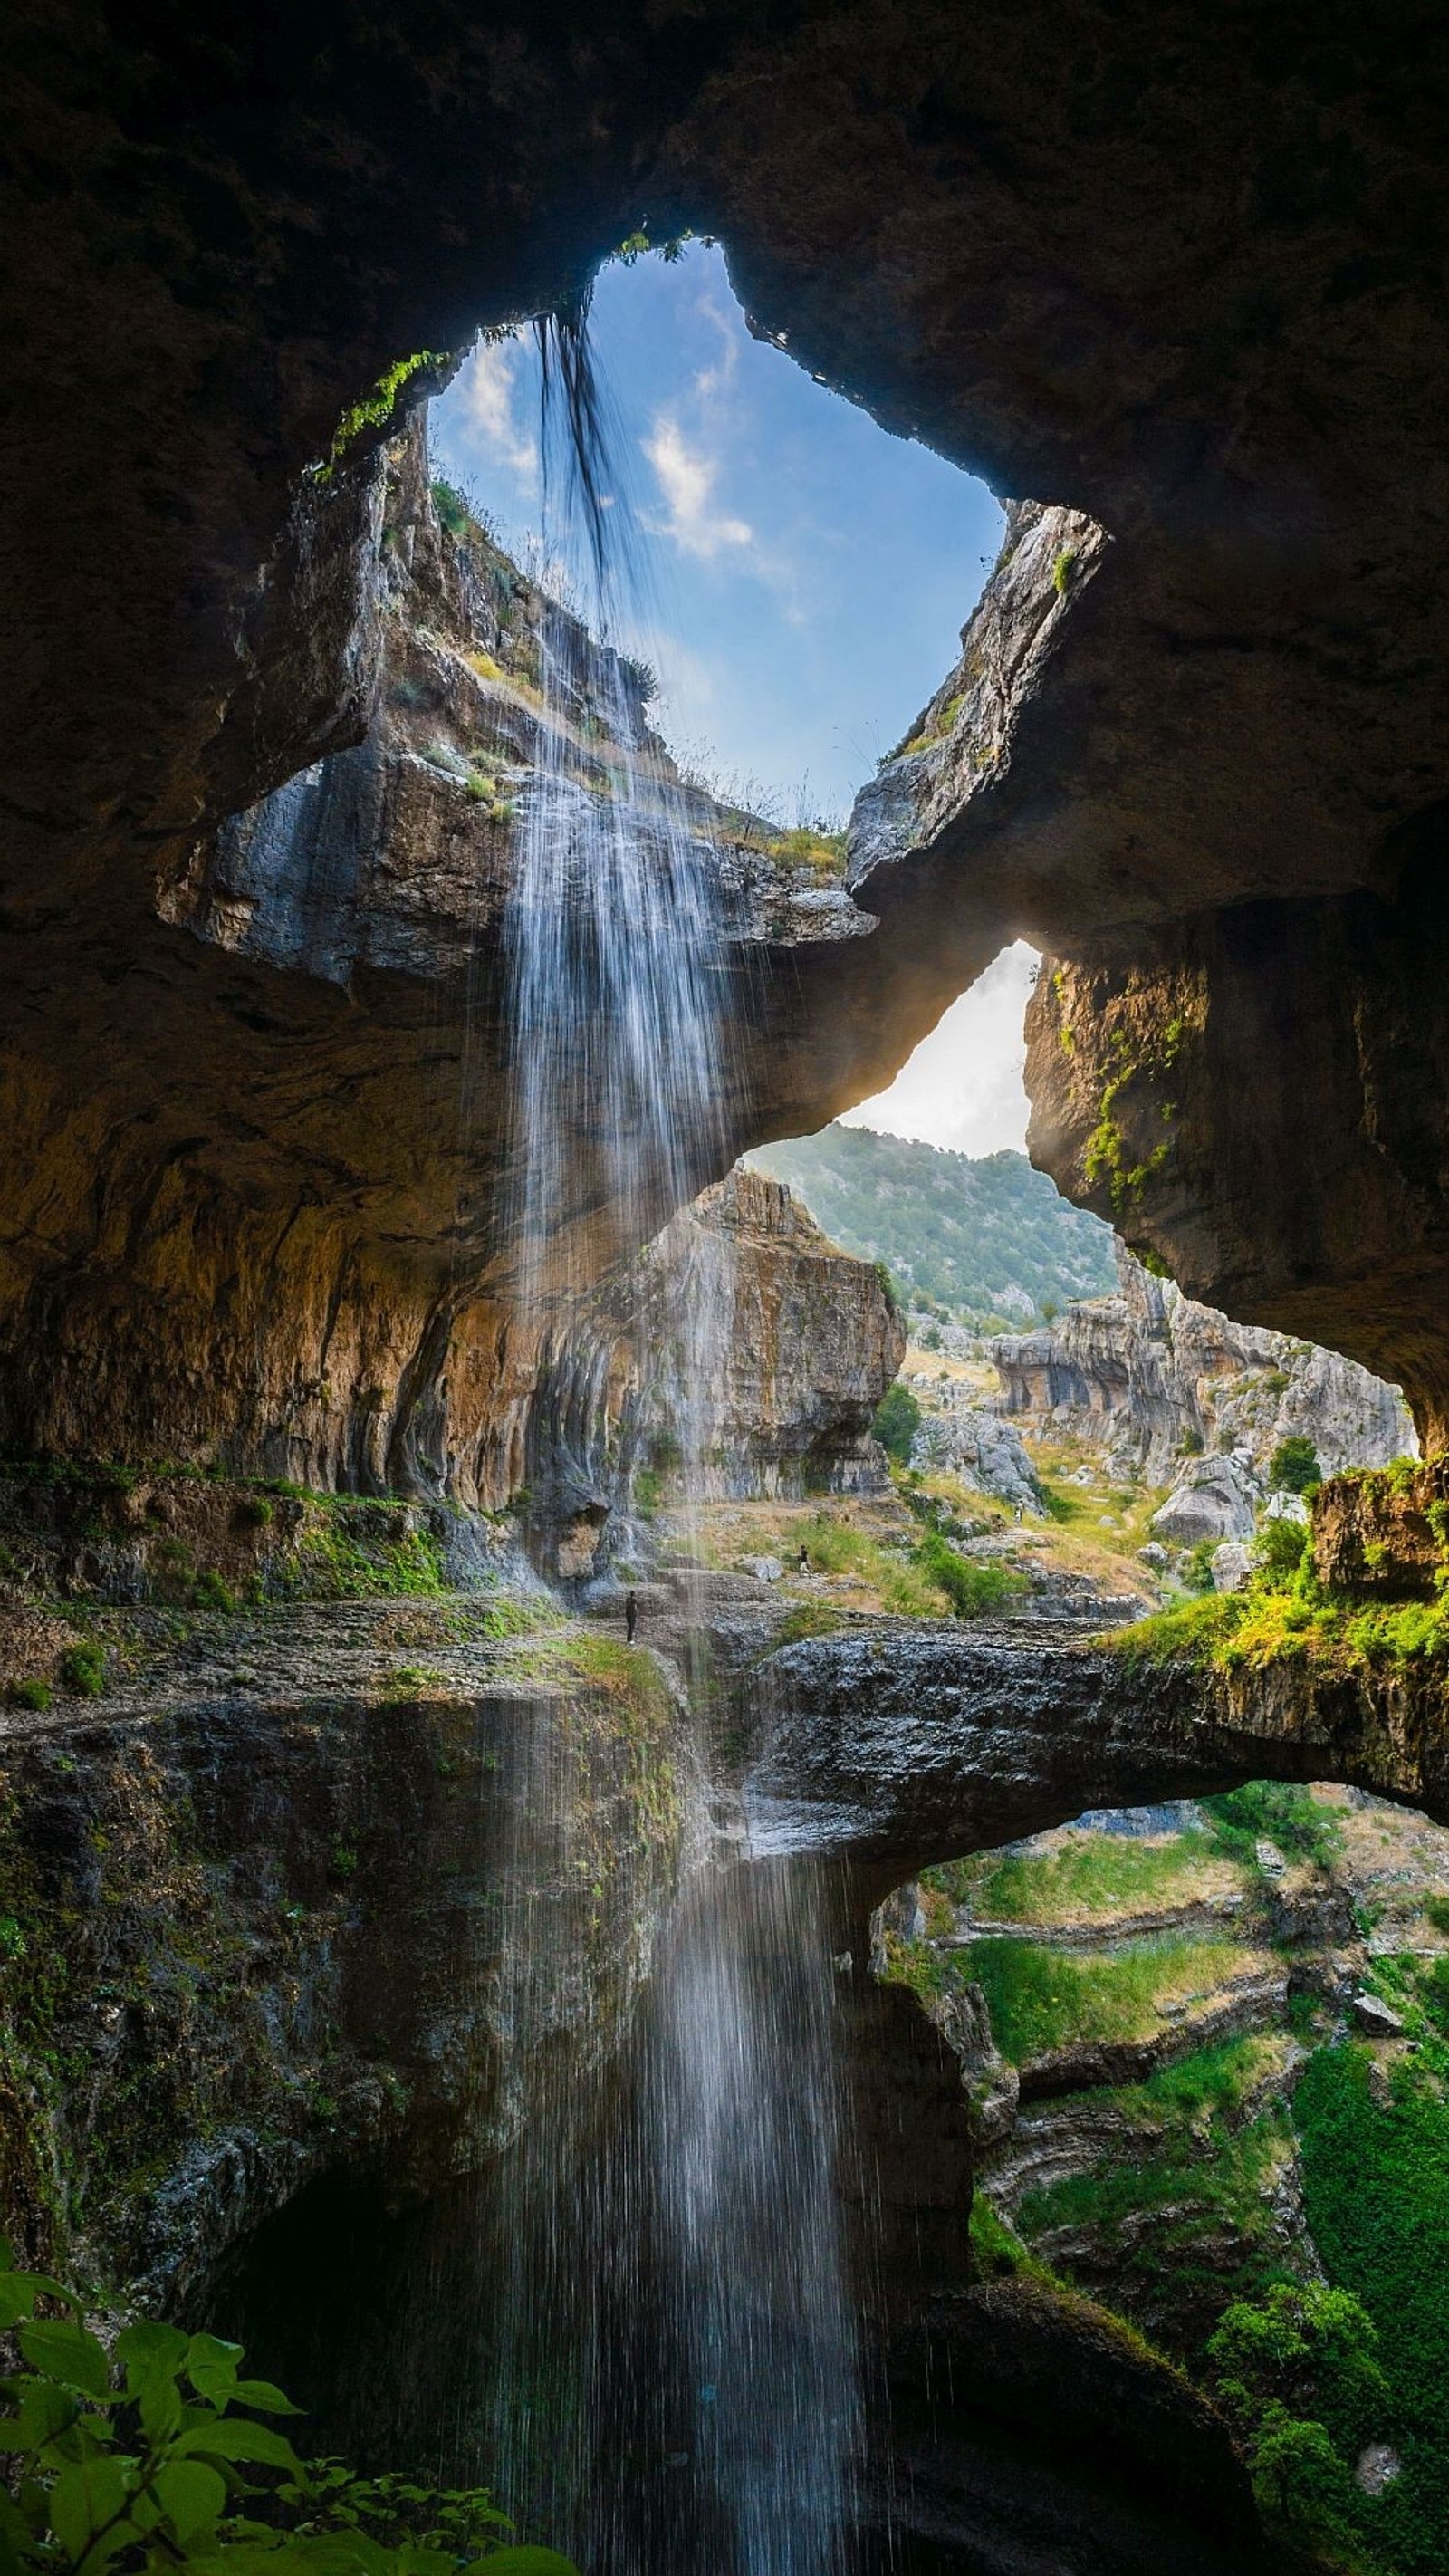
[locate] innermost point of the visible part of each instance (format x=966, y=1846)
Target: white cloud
x=487, y=393
x=687, y=478
x=963, y=1088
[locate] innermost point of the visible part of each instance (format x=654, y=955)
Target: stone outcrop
x=1143, y=764
x=979, y=1448
x=1385, y=1537
x=266, y=1900
x=1213, y=1498
x=742, y=1354
x=911, y=1742
x=1149, y=1370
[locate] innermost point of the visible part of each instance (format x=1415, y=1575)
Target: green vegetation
x=354, y=1551
x=1376, y=2195
x=807, y=1619
x=823, y=853
x=1275, y=1811
x=376, y=409
x=897, y=1420
x=83, y=1669
x=1294, y=1465
x=1062, y=570
x=1043, y=1999
x=150, y=2457
x=1298, y=2372
x=972, y=1587
x=1091, y=1875
x=838, y=1548
x=963, y=1233
x=1197, y=2183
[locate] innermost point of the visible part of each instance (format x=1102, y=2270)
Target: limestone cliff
x=1149, y=1369
x=743, y=1349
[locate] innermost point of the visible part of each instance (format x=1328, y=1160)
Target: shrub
x=211, y=1591
x=1062, y=570
x=31, y=1693
x=1294, y=1465
x=83, y=1669
x=150, y=2457
x=1281, y=1546
x=897, y=1420
x=973, y=1589
x=1195, y=1573
x=256, y=1511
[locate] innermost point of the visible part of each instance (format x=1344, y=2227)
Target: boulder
x=1375, y=2018
x=1232, y=1565
x=983, y=1451
x=1214, y=1498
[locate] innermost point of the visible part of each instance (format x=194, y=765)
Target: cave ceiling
x=1179, y=270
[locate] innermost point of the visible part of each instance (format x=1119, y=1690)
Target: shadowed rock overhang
x=1179, y=279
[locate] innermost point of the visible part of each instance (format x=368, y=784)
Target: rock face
x=742, y=1352
x=1149, y=1369
x=327, y=1889
x=913, y=1743
x=327, y=1284
x=982, y=1450
x=1144, y=768
x=1214, y=1498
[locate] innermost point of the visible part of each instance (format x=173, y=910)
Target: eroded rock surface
x=915, y=1741
x=1149, y=1370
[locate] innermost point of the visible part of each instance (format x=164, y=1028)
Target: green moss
x=1062, y=570
x=1087, y=1875
x=807, y=1619
x=376, y=409
x=1043, y=1999
x=31, y=1693
x=83, y=1669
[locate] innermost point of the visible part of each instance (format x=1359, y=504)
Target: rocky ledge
x=916, y=1741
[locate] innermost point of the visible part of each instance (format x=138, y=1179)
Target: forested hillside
x=992, y=1240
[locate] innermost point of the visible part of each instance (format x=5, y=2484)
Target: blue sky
x=806, y=577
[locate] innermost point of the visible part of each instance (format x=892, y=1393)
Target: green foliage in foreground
x=1294, y=1465
x=1285, y=1615
x=151, y=2457
x=1376, y=2195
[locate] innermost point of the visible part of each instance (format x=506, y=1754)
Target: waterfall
x=674, y=2381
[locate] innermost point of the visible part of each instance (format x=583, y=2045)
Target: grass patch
x=1042, y=1999
x=1287, y=1616
x=1275, y=1811
x=1222, y=2182
x=807, y=1619
x=1091, y=1875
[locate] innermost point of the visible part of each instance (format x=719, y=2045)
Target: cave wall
x=1181, y=279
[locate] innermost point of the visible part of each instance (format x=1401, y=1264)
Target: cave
x=358, y=1411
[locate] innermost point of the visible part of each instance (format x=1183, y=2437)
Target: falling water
x=675, y=2377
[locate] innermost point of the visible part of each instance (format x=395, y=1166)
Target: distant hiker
x=804, y=1564
x=631, y=1616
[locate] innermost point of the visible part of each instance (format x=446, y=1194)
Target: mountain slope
x=987, y=1238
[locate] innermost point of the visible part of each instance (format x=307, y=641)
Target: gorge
x=517, y=2028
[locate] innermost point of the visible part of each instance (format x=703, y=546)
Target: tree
x=897, y=1420
x=149, y=2459
x=1294, y=1465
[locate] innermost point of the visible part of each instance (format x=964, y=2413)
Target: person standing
x=631, y=1615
